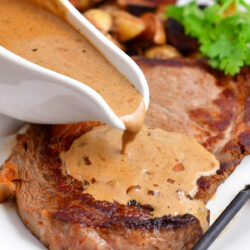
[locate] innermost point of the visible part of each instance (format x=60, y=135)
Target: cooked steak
x=188, y=97
x=54, y=207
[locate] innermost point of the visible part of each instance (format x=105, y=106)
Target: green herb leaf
x=221, y=48
x=222, y=30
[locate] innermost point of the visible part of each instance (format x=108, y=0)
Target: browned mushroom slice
x=100, y=18
x=161, y=52
x=127, y=26
x=154, y=30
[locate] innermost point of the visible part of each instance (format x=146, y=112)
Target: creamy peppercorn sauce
x=158, y=168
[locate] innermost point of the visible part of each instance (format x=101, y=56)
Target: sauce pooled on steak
x=159, y=169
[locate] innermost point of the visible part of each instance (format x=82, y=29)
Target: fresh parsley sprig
x=222, y=29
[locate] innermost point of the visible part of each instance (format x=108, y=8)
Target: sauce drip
x=159, y=169
x=47, y=40
x=133, y=125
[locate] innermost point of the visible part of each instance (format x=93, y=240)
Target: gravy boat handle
x=31, y=93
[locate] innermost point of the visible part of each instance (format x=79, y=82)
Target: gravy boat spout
x=31, y=93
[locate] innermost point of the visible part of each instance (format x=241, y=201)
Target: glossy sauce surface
x=159, y=169
x=42, y=38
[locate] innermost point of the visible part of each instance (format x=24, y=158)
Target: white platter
x=15, y=236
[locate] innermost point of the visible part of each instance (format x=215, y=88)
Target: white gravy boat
x=31, y=93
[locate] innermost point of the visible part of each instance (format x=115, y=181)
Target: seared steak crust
x=189, y=97
x=54, y=208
